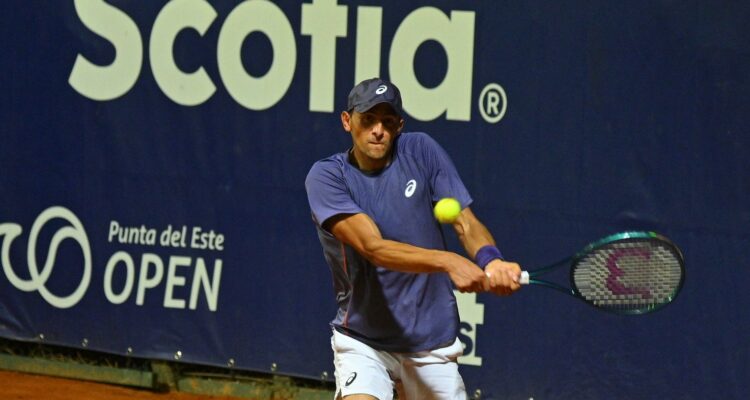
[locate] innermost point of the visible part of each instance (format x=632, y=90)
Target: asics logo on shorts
x=411, y=186
x=351, y=378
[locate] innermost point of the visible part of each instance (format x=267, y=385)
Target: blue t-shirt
x=390, y=310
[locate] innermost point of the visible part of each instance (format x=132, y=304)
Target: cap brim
x=368, y=106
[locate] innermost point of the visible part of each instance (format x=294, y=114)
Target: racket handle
x=524, y=279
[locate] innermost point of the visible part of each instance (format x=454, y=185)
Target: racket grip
x=524, y=279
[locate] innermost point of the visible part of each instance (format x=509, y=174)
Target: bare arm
x=360, y=232
x=473, y=235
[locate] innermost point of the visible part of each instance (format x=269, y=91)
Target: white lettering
x=173, y=238
x=174, y=280
x=369, y=28
x=323, y=21
x=202, y=278
x=117, y=258
x=131, y=235
x=493, y=102
x=456, y=36
x=206, y=240
x=144, y=282
x=114, y=227
x=493, y=99
x=114, y=80
x=210, y=288
x=472, y=314
x=183, y=88
x=151, y=275
x=265, y=17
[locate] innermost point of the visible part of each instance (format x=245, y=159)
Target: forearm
x=361, y=233
x=472, y=234
x=407, y=258
x=464, y=274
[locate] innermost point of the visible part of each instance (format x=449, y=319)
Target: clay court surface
x=19, y=386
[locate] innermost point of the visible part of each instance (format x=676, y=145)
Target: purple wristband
x=486, y=254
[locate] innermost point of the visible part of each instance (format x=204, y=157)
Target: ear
x=400, y=126
x=346, y=121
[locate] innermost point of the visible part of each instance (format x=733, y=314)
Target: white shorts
x=426, y=375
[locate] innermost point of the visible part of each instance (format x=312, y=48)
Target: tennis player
x=397, y=323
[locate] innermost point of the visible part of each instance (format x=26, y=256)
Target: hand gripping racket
x=624, y=273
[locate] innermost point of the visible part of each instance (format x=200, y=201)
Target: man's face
x=373, y=133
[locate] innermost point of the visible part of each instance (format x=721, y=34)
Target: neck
x=366, y=164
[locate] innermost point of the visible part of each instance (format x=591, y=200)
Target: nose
x=378, y=129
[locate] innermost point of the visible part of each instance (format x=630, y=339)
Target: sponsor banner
x=153, y=156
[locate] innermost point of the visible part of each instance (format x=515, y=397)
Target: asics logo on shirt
x=411, y=186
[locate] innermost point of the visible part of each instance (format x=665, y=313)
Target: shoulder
x=415, y=138
x=329, y=165
x=415, y=142
x=326, y=171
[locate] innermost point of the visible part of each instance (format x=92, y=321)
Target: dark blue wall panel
x=619, y=116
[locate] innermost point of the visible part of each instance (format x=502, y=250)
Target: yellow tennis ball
x=447, y=210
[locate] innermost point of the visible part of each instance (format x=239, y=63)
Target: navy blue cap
x=371, y=92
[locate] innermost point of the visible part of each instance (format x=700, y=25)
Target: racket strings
x=629, y=276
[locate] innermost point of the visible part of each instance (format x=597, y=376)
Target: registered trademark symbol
x=493, y=103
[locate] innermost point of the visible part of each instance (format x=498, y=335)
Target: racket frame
x=529, y=277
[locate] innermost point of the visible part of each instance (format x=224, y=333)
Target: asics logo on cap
x=381, y=89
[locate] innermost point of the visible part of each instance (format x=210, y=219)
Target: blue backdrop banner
x=153, y=157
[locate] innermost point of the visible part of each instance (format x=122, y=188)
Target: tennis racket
x=625, y=273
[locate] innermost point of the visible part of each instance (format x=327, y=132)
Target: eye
x=390, y=121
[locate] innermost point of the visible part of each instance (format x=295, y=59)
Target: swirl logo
x=38, y=279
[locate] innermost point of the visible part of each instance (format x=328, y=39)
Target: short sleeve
x=327, y=192
x=444, y=178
